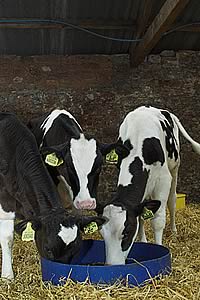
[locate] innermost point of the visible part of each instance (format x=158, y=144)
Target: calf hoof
x=174, y=230
x=7, y=277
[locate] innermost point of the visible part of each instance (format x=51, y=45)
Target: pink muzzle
x=85, y=204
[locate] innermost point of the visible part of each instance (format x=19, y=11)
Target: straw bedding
x=183, y=283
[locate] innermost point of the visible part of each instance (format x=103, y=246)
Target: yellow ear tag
x=147, y=214
x=28, y=234
x=112, y=157
x=90, y=228
x=52, y=160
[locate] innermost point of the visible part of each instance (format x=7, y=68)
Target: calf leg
x=64, y=196
x=161, y=193
x=65, y=192
x=158, y=224
x=6, y=241
x=172, y=200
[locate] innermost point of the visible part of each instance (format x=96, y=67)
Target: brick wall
x=100, y=90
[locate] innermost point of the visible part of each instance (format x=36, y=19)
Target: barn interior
x=99, y=60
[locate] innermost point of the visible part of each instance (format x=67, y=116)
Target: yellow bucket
x=180, y=201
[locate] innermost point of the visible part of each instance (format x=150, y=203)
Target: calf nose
x=86, y=204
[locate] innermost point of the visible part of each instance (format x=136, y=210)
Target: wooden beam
x=141, y=25
x=161, y=23
x=143, y=17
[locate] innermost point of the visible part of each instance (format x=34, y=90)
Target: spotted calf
x=28, y=193
x=58, y=132
x=148, y=150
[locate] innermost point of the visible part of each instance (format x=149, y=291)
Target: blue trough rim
x=135, y=273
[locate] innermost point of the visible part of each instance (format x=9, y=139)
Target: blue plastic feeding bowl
x=145, y=261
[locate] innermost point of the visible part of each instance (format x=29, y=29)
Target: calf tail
x=195, y=145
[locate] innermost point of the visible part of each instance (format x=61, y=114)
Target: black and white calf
x=148, y=150
x=81, y=157
x=28, y=192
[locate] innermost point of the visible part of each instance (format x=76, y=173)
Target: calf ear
x=36, y=225
x=152, y=205
x=20, y=227
x=54, y=156
x=91, y=220
x=122, y=151
x=106, y=148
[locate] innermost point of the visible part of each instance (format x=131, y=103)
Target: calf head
x=58, y=237
x=122, y=227
x=79, y=163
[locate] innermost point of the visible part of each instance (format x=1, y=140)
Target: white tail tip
x=196, y=147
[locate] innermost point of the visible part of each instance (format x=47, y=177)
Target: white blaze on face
x=47, y=123
x=83, y=154
x=68, y=234
x=112, y=234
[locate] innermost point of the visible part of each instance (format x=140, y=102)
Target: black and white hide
x=148, y=151
x=28, y=193
x=79, y=158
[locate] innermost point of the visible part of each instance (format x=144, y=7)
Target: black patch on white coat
x=130, y=227
x=133, y=192
x=128, y=144
x=93, y=177
x=140, y=175
x=123, y=150
x=168, y=117
x=171, y=144
x=129, y=197
x=152, y=151
x=131, y=224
